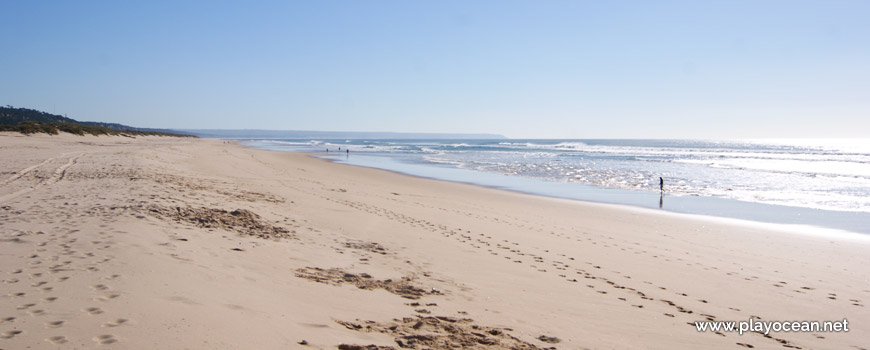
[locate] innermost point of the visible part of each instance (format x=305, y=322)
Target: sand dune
x=174, y=243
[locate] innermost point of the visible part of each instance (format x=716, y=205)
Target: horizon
x=555, y=70
x=492, y=135
x=855, y=144
x=231, y=134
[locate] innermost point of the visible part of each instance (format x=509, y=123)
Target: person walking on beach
x=661, y=184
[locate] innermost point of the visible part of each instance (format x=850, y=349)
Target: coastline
x=782, y=227
x=527, y=266
x=782, y=217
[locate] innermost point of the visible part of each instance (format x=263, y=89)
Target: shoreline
x=702, y=176
x=160, y=243
x=785, y=228
x=783, y=217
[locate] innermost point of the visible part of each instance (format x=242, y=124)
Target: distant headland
x=31, y=121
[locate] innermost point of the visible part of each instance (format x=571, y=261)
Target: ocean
x=818, y=181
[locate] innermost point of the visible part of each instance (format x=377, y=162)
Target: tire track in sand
x=24, y=171
x=58, y=175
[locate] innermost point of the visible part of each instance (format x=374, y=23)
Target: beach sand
x=168, y=243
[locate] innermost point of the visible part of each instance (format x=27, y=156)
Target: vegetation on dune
x=12, y=116
x=78, y=129
x=31, y=121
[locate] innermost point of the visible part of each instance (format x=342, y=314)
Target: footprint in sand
x=115, y=323
x=105, y=339
x=107, y=297
x=54, y=324
x=49, y=299
x=100, y=287
x=24, y=306
x=37, y=312
x=58, y=339
x=93, y=310
x=9, y=334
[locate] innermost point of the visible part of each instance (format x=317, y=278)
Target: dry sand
x=164, y=243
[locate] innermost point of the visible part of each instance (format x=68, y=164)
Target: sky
x=523, y=69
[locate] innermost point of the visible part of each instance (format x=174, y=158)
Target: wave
x=833, y=176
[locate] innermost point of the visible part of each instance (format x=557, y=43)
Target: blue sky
x=525, y=69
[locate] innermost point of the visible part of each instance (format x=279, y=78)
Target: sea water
x=802, y=181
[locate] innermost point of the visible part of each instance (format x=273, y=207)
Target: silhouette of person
x=661, y=184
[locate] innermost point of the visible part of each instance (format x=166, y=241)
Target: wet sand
x=174, y=243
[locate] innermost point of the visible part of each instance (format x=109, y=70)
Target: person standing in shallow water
x=662, y=193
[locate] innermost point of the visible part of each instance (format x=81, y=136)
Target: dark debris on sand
x=546, y=339
x=402, y=287
x=442, y=332
x=239, y=220
x=364, y=347
x=371, y=247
